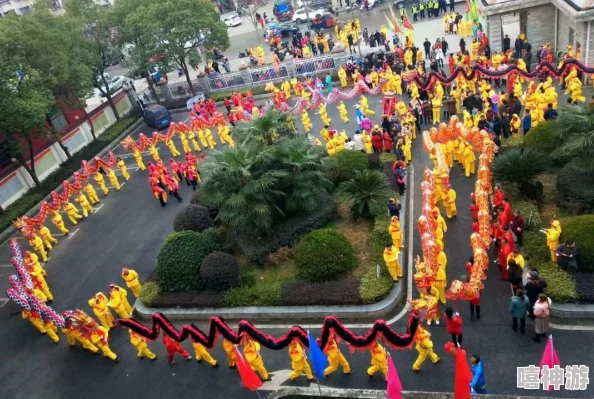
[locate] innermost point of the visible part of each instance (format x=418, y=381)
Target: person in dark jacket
x=534, y=286
x=515, y=274
x=517, y=225
x=386, y=125
x=454, y=326
x=506, y=43
x=519, y=307
x=526, y=122
x=399, y=153
x=567, y=255
x=550, y=113
x=394, y=208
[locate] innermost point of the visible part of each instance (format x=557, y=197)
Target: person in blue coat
x=477, y=385
x=526, y=122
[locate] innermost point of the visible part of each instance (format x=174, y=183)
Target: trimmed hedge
x=219, y=272
x=285, y=233
x=542, y=138
x=529, y=211
x=581, y=230
x=379, y=239
x=584, y=285
x=149, y=293
x=256, y=295
x=192, y=217
x=345, y=163
x=64, y=172
x=575, y=189
x=195, y=200
x=191, y=299
x=343, y=292
x=179, y=259
x=323, y=255
x=387, y=158
x=372, y=289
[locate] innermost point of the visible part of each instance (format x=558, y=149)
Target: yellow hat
x=555, y=223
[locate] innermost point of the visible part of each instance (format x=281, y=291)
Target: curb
x=6, y=234
x=371, y=312
x=572, y=311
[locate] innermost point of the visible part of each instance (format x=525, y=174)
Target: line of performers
x=164, y=182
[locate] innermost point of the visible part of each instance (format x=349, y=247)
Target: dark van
x=156, y=116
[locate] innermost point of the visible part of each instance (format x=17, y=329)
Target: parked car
x=156, y=116
x=288, y=28
x=314, y=4
x=302, y=15
x=323, y=21
x=114, y=84
x=231, y=19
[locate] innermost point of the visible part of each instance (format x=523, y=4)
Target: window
x=59, y=121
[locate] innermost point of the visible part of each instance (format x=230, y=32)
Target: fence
x=315, y=65
x=228, y=81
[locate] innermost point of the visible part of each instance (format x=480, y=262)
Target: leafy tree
x=96, y=34
x=177, y=29
x=24, y=102
x=251, y=10
x=522, y=167
x=268, y=128
x=575, y=129
x=257, y=185
x=366, y=191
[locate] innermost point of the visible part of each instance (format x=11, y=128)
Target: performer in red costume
x=174, y=347
x=462, y=374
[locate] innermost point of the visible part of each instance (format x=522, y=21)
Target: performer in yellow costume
x=84, y=204
x=46, y=236
x=72, y=213
x=379, y=360
x=99, y=305
x=395, y=232
x=553, y=233
x=35, y=319
x=344, y=115
x=119, y=302
x=91, y=193
x=122, y=167
x=100, y=338
x=251, y=351
x=229, y=349
x=37, y=244
x=365, y=106
x=131, y=278
x=59, y=222
x=101, y=181
x=450, y=203
x=113, y=179
x=367, y=142
x=306, y=121
x=335, y=358
x=391, y=258
x=171, y=145
x=138, y=158
x=299, y=362
x=141, y=345
x=202, y=354
x=425, y=348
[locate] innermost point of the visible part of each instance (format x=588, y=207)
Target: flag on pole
x=462, y=376
x=390, y=24
x=249, y=378
x=467, y=7
x=406, y=23
x=397, y=27
x=549, y=358
x=317, y=357
x=394, y=390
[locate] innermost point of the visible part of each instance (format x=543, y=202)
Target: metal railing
x=269, y=73
x=228, y=81
x=315, y=65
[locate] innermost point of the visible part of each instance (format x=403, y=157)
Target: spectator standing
x=519, y=307
x=394, y=207
x=534, y=287
x=542, y=311
x=477, y=385
x=517, y=224
x=567, y=255
x=454, y=326
x=526, y=122
x=427, y=47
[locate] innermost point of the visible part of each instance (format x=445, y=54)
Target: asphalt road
x=129, y=230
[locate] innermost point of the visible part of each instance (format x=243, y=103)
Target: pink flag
x=394, y=385
x=249, y=378
x=549, y=358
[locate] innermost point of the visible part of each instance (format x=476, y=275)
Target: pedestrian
x=174, y=347
x=526, y=122
x=534, y=287
x=515, y=274
x=394, y=208
x=427, y=47
x=517, y=224
x=399, y=173
x=477, y=385
x=452, y=5
x=542, y=311
x=366, y=36
x=519, y=308
x=454, y=326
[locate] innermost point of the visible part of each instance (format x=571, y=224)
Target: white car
x=301, y=15
x=115, y=83
x=231, y=20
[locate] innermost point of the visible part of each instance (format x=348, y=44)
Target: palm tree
x=575, y=128
x=522, y=167
x=366, y=191
x=268, y=128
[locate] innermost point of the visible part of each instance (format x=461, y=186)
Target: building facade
x=558, y=22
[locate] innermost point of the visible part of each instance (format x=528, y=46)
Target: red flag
x=249, y=378
x=467, y=7
x=462, y=376
x=549, y=358
x=406, y=23
x=394, y=384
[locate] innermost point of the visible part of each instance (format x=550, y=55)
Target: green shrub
x=379, y=239
x=179, y=259
x=323, y=255
x=560, y=285
x=285, y=233
x=581, y=230
x=212, y=210
x=375, y=289
x=387, y=157
x=192, y=217
x=255, y=295
x=529, y=210
x=542, y=139
x=190, y=299
x=149, y=293
x=64, y=172
x=575, y=189
x=345, y=163
x=511, y=142
x=341, y=292
x=367, y=191
x=536, y=250
x=219, y=272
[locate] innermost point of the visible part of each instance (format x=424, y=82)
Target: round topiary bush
x=345, y=163
x=579, y=229
x=323, y=255
x=179, y=259
x=542, y=138
x=219, y=272
x=149, y=293
x=575, y=189
x=192, y=217
x=212, y=210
